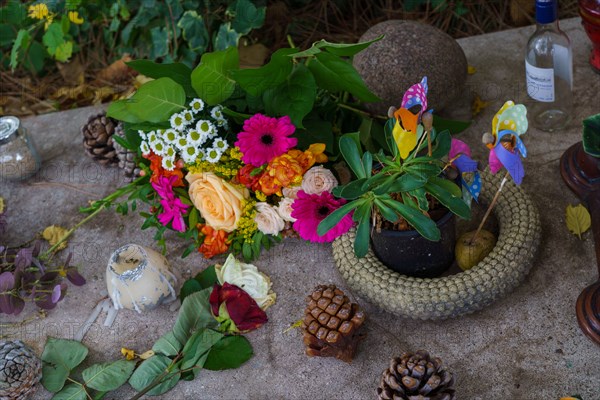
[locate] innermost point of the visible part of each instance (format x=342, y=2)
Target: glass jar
x=139, y=278
x=18, y=158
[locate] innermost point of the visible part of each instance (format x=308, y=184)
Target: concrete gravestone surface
x=526, y=346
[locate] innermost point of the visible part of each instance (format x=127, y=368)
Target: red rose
x=235, y=309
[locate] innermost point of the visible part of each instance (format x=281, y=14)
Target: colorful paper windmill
x=470, y=179
x=509, y=123
x=405, y=128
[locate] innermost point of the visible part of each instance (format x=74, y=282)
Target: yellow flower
x=478, y=105
x=75, y=18
x=38, y=11
x=128, y=353
x=54, y=234
x=260, y=196
x=49, y=20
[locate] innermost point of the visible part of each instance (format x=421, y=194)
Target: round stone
x=409, y=51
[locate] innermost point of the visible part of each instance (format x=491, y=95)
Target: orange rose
x=215, y=241
x=285, y=170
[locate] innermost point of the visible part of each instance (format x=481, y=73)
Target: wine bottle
x=549, y=70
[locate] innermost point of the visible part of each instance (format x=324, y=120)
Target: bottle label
x=540, y=83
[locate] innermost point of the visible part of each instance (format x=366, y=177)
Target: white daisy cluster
x=193, y=136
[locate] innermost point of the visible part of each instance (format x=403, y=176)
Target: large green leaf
x=154, y=101
x=248, y=16
x=454, y=126
x=160, y=42
x=454, y=203
x=256, y=80
x=339, y=49
x=119, y=110
x=60, y=356
x=7, y=35
x=442, y=145
x=335, y=217
x=53, y=37
x=13, y=13
x=151, y=369
x=207, y=278
x=167, y=345
x=72, y=391
x=212, y=78
x=336, y=74
x=194, y=315
x=349, y=150
x=406, y=183
x=194, y=31
x=180, y=73
x=315, y=131
x=351, y=190
x=108, y=376
x=21, y=43
x=228, y=353
x=294, y=97
x=362, y=216
x=196, y=349
x=422, y=224
x=226, y=37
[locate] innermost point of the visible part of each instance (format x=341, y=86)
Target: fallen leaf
x=578, y=219
x=72, y=72
x=471, y=70
x=103, y=93
x=253, y=56
x=117, y=72
x=478, y=105
x=1, y=205
x=146, y=354
x=53, y=234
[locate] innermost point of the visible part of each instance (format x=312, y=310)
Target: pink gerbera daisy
x=264, y=138
x=310, y=209
x=173, y=208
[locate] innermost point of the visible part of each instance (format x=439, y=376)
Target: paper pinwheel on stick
x=470, y=178
x=406, y=128
x=506, y=149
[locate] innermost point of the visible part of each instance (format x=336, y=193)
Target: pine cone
x=416, y=377
x=127, y=158
x=331, y=324
x=20, y=370
x=97, y=138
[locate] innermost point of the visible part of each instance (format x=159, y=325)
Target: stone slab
x=526, y=346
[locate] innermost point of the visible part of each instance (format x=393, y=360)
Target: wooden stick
x=491, y=206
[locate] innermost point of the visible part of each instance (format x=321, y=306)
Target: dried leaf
x=53, y=234
x=253, y=56
x=578, y=219
x=147, y=354
x=1, y=205
x=72, y=72
x=478, y=105
x=103, y=93
x=117, y=72
x=471, y=70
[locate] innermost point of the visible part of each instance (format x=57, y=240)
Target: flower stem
x=361, y=112
x=491, y=206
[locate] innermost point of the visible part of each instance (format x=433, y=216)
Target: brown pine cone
x=331, y=324
x=97, y=138
x=416, y=377
x=127, y=158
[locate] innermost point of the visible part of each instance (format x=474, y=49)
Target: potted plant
x=402, y=197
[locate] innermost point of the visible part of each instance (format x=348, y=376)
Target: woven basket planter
x=463, y=293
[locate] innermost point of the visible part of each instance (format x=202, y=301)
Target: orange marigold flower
x=286, y=170
x=251, y=182
x=215, y=241
x=268, y=185
x=158, y=170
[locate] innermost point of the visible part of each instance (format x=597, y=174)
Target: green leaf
x=389, y=137
x=422, y=224
x=207, y=278
x=454, y=203
x=349, y=151
x=351, y=190
x=387, y=212
x=362, y=215
x=229, y=353
x=60, y=356
x=33, y=58
x=248, y=16
x=167, y=345
x=194, y=315
x=194, y=31
x=72, y=391
x=315, y=130
x=108, y=376
x=155, y=101
x=160, y=42
x=190, y=286
x=151, y=369
x=119, y=110
x=447, y=185
x=336, y=74
x=591, y=135
x=197, y=347
x=180, y=73
x=123, y=142
x=7, y=35
x=371, y=135
x=442, y=145
x=53, y=38
x=335, y=217
x=64, y=51
x=226, y=37
x=212, y=78
x=13, y=13
x=367, y=161
x=346, y=50
x=454, y=126
x=256, y=80
x=294, y=97
x=406, y=183
x=21, y=42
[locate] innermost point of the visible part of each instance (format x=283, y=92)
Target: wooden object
x=581, y=172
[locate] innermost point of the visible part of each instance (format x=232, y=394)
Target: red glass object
x=590, y=15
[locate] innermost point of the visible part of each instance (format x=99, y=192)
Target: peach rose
x=268, y=220
x=219, y=202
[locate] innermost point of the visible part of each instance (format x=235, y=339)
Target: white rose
x=291, y=192
x=285, y=209
x=318, y=180
x=248, y=278
x=267, y=219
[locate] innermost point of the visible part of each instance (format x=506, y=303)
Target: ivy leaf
x=228, y=353
x=226, y=37
x=336, y=74
x=160, y=42
x=108, y=376
x=151, y=369
x=167, y=345
x=194, y=315
x=248, y=16
x=60, y=356
x=256, y=80
x=194, y=31
x=154, y=101
x=179, y=72
x=294, y=97
x=578, y=219
x=73, y=391
x=212, y=78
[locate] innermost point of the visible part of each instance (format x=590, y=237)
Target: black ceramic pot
x=409, y=253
